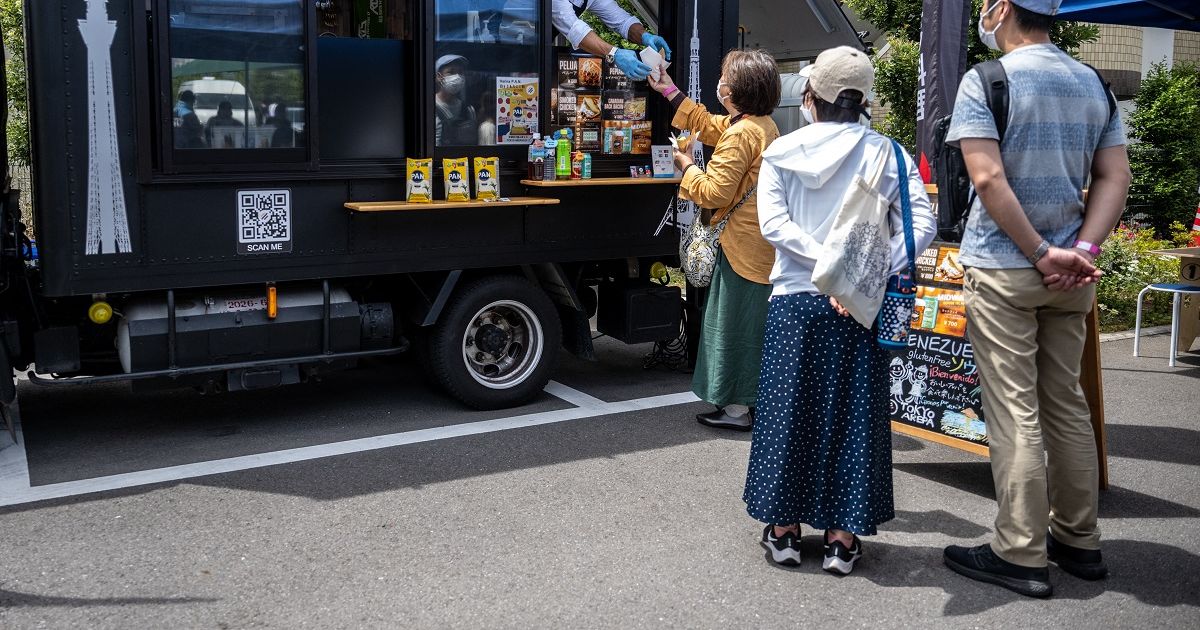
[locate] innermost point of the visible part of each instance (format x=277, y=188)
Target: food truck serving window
x=486, y=60
x=237, y=77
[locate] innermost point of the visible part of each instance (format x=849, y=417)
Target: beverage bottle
x=563, y=156
x=537, y=157
x=577, y=165
x=549, y=162
x=586, y=170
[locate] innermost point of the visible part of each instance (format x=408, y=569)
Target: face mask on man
x=453, y=83
x=989, y=37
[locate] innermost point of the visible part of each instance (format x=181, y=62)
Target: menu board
x=935, y=382
x=606, y=109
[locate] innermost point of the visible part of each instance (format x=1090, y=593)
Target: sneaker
x=1086, y=564
x=981, y=563
x=839, y=558
x=785, y=550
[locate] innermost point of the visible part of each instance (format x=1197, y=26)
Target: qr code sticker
x=264, y=216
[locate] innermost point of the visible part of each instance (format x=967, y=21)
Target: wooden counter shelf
x=601, y=181
x=398, y=206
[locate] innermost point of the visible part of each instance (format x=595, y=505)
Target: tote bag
x=698, y=251
x=854, y=266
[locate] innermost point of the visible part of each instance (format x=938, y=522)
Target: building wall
x=1187, y=47
x=1117, y=54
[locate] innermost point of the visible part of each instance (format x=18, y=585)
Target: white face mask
x=453, y=83
x=807, y=114
x=722, y=99
x=989, y=38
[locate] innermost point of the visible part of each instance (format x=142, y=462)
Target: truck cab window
x=237, y=74
x=485, y=72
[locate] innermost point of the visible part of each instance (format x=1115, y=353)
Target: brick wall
x=1187, y=47
x=1117, y=54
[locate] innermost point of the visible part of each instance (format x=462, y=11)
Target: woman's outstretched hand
x=663, y=82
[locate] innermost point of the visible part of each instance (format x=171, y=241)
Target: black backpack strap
x=1112, y=98
x=995, y=91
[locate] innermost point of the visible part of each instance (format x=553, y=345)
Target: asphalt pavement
x=367, y=500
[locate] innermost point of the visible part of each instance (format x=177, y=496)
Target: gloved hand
x=657, y=42
x=628, y=62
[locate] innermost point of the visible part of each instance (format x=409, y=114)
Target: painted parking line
x=14, y=471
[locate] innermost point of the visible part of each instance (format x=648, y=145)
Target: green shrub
x=1166, y=127
x=1128, y=267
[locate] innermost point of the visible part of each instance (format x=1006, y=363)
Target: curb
x=1148, y=331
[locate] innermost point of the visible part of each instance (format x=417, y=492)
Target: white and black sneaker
x=839, y=559
x=785, y=550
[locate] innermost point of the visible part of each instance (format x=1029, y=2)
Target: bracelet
x=669, y=92
x=1037, y=254
x=1090, y=248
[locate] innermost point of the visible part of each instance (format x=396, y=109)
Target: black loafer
x=718, y=419
x=981, y=563
x=1085, y=564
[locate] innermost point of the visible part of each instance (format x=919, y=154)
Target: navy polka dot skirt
x=821, y=450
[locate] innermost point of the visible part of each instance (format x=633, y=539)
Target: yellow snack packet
x=487, y=180
x=420, y=184
x=457, y=178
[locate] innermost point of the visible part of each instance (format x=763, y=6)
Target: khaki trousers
x=1028, y=344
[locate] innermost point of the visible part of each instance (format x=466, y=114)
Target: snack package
x=420, y=186
x=456, y=175
x=487, y=180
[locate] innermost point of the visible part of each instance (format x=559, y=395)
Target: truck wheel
x=496, y=343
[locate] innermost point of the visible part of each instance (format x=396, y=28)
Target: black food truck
x=220, y=193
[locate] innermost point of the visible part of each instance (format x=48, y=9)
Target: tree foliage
x=896, y=72
x=12, y=29
x=1166, y=125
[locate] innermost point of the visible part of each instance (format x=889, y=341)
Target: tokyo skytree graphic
x=679, y=212
x=107, y=222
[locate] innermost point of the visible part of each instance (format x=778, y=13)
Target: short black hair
x=1029, y=21
x=829, y=112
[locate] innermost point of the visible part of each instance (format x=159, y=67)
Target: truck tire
x=496, y=343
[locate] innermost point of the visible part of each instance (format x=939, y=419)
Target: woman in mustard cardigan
x=735, y=313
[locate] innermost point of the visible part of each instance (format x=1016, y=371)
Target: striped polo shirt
x=1058, y=117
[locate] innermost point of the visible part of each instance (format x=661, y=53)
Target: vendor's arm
x=581, y=36
x=716, y=185
x=775, y=222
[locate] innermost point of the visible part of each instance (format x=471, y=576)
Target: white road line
x=572, y=395
x=11, y=495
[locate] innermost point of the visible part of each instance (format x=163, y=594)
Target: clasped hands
x=1067, y=269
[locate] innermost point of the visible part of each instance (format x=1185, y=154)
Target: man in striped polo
x=1029, y=249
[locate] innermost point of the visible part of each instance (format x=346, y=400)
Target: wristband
x=1090, y=248
x=669, y=92
x=1037, y=254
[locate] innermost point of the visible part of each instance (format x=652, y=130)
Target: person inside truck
x=454, y=116
x=284, y=135
x=189, y=131
x=223, y=131
x=569, y=23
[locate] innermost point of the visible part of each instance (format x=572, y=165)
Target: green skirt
x=731, y=337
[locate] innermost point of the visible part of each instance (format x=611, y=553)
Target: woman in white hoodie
x=821, y=448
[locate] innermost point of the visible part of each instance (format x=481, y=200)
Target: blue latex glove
x=631, y=65
x=656, y=42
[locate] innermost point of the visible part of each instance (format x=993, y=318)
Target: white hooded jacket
x=805, y=176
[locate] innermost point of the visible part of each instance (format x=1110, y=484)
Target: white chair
x=1178, y=290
